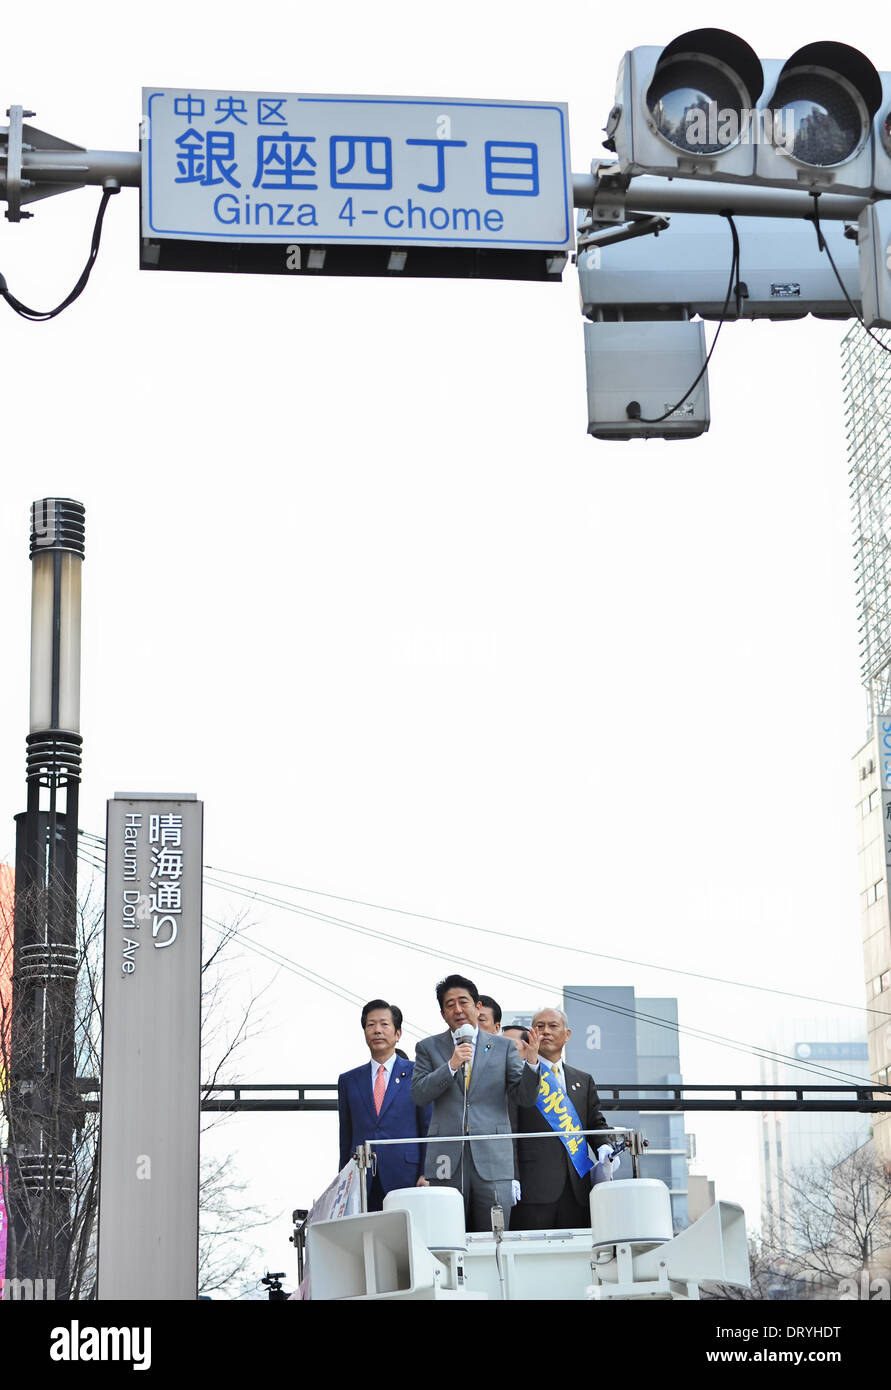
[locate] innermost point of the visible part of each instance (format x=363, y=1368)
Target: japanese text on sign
x=155, y=895
x=274, y=167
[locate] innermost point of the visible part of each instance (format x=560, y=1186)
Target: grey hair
x=551, y=1009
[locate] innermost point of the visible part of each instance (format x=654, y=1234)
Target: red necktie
x=380, y=1087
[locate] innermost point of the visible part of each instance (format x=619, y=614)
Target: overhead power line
x=436, y=951
x=554, y=945
x=732, y=1044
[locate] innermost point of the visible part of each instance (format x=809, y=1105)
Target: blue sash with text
x=560, y=1113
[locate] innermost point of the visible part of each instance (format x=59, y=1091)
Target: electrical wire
x=552, y=945
x=824, y=246
x=275, y=957
x=734, y=1044
x=286, y=963
x=732, y=286
x=42, y=315
x=765, y=1054
x=718, y=1039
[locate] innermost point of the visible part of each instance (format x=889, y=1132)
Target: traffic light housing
x=874, y=241
x=685, y=270
x=637, y=376
x=707, y=107
x=881, y=143
x=686, y=109
x=817, y=121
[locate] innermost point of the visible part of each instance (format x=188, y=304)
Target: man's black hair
x=488, y=1002
x=455, y=982
x=517, y=1028
x=395, y=1012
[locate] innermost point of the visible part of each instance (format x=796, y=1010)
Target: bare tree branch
x=225, y=1218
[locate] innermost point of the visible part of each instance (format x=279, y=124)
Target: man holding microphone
x=469, y=1076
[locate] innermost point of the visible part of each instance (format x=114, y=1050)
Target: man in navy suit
x=374, y=1102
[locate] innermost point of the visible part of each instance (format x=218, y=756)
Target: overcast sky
x=357, y=577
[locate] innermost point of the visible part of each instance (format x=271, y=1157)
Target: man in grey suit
x=469, y=1084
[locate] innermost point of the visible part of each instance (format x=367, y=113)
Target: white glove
x=603, y=1153
x=605, y=1166
x=515, y=1193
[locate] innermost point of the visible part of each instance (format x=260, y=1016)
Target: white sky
x=356, y=575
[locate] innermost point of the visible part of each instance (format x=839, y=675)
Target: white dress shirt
x=388, y=1069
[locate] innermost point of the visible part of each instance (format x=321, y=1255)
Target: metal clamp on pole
x=13, y=180
x=298, y=1239
x=638, y=1145
x=366, y=1162
x=35, y=164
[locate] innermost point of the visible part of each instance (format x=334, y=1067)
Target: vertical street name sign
x=148, y=1191
x=266, y=169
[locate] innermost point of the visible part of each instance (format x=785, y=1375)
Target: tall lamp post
x=44, y=1086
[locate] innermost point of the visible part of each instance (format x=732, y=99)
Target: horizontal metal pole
x=659, y=1097
x=259, y=1105
x=813, y=1107
x=522, y=1134
x=646, y=193
x=87, y=166
x=664, y=1106
x=622, y=1090
x=273, y=1086
x=649, y=193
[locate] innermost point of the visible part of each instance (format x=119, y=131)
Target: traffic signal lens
x=696, y=104
x=816, y=118
x=886, y=133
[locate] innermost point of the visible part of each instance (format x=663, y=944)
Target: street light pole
x=44, y=1086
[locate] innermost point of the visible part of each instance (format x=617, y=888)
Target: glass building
x=866, y=373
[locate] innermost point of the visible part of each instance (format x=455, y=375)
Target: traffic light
x=687, y=108
x=818, y=119
x=706, y=106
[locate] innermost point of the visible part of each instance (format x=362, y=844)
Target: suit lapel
x=366, y=1086
x=398, y=1077
x=445, y=1045
x=577, y=1091
x=480, y=1059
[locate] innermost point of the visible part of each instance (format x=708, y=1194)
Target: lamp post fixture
x=44, y=1086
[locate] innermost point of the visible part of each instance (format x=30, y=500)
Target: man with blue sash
x=555, y=1174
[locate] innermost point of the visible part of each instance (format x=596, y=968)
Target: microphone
x=464, y=1034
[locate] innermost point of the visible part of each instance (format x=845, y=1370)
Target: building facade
x=805, y=1051
x=866, y=372
x=873, y=808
